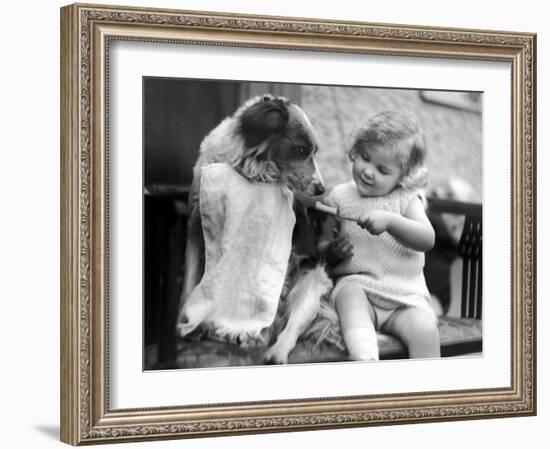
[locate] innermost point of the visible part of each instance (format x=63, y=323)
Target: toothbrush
x=315, y=203
x=331, y=211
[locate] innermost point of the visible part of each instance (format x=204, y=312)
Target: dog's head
x=279, y=145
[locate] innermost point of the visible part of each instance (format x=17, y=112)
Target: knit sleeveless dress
x=247, y=228
x=390, y=273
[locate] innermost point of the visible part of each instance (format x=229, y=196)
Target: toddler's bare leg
x=357, y=323
x=417, y=329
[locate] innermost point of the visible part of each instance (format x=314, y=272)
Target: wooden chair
x=460, y=328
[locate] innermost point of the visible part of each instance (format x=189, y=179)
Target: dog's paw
x=184, y=326
x=276, y=355
x=185, y=329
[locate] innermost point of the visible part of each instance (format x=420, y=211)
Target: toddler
x=378, y=259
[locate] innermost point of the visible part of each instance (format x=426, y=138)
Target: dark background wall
x=178, y=113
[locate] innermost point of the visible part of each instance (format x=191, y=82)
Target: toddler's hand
x=376, y=222
x=338, y=250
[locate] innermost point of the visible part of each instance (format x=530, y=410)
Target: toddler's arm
x=413, y=229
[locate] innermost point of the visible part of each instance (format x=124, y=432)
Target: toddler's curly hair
x=401, y=134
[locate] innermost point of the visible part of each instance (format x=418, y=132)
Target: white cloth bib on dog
x=247, y=231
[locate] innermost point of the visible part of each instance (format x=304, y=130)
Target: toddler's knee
x=425, y=321
x=351, y=290
x=349, y=293
x=425, y=337
x=428, y=331
x=423, y=326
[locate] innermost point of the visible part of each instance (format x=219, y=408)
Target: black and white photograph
x=303, y=223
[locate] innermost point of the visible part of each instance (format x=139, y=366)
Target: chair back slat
x=479, y=291
x=470, y=248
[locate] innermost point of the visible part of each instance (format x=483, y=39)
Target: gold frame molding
x=86, y=31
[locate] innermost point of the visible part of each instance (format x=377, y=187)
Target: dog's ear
x=262, y=119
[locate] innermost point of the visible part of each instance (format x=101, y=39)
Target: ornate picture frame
x=87, y=32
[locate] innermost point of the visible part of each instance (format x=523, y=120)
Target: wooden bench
x=460, y=328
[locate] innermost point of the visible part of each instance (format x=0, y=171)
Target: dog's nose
x=318, y=189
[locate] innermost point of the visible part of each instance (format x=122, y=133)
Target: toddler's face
x=376, y=171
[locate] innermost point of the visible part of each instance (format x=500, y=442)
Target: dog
x=268, y=140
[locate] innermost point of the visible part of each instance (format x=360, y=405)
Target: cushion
x=458, y=336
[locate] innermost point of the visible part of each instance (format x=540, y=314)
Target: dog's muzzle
x=318, y=184
x=318, y=189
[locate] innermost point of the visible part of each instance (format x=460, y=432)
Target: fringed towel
x=248, y=237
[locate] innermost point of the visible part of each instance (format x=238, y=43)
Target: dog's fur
x=268, y=139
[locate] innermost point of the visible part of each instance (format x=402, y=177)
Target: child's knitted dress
x=247, y=228
x=390, y=273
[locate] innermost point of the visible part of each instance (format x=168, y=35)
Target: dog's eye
x=302, y=151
